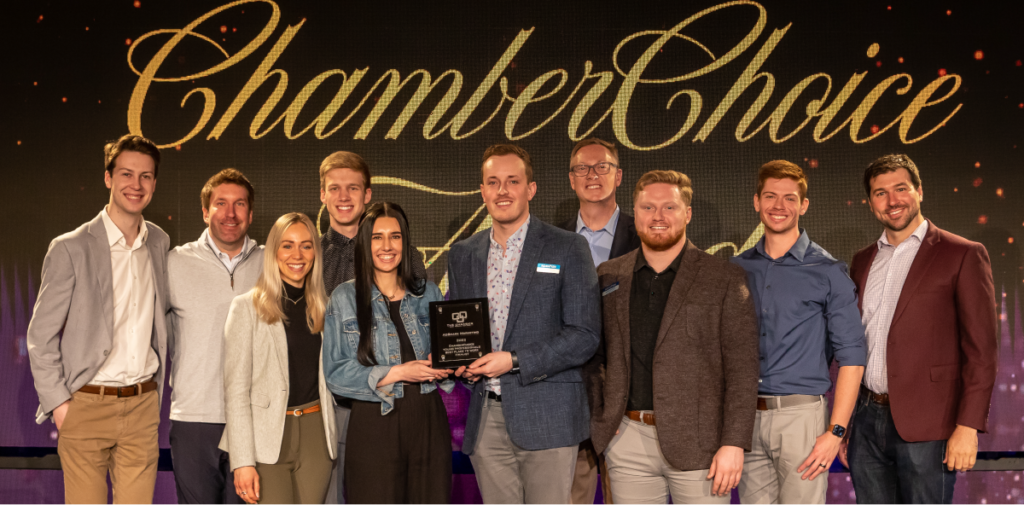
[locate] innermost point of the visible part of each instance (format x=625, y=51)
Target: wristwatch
x=837, y=430
x=515, y=363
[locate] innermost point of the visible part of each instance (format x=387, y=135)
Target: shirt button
x=768, y=286
x=759, y=381
x=764, y=310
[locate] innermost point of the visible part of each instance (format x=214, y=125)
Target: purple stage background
x=942, y=82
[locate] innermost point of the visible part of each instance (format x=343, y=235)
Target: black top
x=646, y=308
x=303, y=349
x=404, y=344
x=338, y=253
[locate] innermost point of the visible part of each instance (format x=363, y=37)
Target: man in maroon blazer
x=928, y=306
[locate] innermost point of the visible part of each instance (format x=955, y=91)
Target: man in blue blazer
x=528, y=411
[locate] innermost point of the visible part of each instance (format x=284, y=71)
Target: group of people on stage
x=619, y=347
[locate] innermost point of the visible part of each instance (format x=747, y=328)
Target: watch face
x=838, y=431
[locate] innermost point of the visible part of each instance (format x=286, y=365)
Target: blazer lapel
x=620, y=241
x=688, y=269
x=156, y=262
x=103, y=270
x=924, y=257
x=862, y=276
x=478, y=266
x=277, y=333
x=625, y=280
x=532, y=247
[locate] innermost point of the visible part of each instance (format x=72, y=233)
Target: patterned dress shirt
x=881, y=294
x=502, y=266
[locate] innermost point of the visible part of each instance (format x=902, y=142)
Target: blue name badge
x=548, y=268
x=610, y=289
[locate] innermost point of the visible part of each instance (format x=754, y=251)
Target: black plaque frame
x=477, y=317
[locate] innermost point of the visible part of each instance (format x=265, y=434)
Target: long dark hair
x=365, y=272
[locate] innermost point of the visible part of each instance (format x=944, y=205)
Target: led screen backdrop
x=421, y=89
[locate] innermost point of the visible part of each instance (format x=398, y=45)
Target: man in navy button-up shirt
x=807, y=312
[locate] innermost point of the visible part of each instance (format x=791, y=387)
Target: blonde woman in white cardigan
x=280, y=432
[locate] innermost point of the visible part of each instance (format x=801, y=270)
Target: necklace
x=294, y=302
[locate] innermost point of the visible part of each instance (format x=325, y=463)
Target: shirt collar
x=641, y=261
x=114, y=234
x=516, y=240
x=246, y=245
x=608, y=227
x=337, y=238
x=798, y=250
x=919, y=232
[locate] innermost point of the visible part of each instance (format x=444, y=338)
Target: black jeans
x=202, y=473
x=887, y=469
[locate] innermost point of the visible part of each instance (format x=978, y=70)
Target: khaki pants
x=783, y=438
x=507, y=473
x=589, y=467
x=640, y=474
x=106, y=434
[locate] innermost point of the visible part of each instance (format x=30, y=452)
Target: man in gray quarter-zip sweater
x=204, y=276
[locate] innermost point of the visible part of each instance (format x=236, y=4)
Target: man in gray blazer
x=98, y=340
x=528, y=410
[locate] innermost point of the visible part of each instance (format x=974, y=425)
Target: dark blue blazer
x=554, y=326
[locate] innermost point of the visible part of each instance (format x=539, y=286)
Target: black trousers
x=202, y=472
x=403, y=457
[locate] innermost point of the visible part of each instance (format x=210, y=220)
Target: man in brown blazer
x=928, y=306
x=673, y=386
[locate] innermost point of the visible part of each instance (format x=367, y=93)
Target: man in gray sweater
x=204, y=277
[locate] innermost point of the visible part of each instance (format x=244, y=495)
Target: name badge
x=610, y=289
x=548, y=268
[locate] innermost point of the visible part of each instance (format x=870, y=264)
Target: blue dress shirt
x=807, y=314
x=600, y=241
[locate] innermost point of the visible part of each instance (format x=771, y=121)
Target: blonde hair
x=677, y=179
x=344, y=159
x=266, y=296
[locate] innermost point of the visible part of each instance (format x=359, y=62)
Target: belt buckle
x=297, y=412
x=125, y=395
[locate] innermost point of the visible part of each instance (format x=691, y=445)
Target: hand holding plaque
x=460, y=332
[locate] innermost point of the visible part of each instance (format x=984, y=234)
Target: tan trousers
x=303, y=470
x=589, y=467
x=507, y=473
x=640, y=474
x=783, y=438
x=106, y=434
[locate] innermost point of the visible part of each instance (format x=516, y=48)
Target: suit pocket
x=945, y=373
x=259, y=400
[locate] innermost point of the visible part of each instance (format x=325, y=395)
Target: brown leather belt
x=641, y=416
x=300, y=413
x=120, y=392
x=881, y=399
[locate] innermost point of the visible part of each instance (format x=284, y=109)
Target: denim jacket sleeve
x=344, y=374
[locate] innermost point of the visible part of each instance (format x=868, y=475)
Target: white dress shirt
x=881, y=294
x=132, y=358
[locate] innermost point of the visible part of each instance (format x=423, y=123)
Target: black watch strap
x=515, y=363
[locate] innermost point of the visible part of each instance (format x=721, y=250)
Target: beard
x=660, y=242
x=908, y=217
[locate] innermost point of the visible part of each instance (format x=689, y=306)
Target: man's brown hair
x=502, y=150
x=610, y=146
x=678, y=179
x=227, y=176
x=891, y=163
x=130, y=142
x=345, y=159
x=782, y=169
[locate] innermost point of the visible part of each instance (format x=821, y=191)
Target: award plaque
x=460, y=332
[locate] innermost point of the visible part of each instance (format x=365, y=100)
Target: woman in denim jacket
x=376, y=345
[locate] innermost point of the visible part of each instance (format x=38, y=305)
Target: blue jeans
x=887, y=469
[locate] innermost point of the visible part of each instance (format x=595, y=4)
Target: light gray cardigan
x=256, y=388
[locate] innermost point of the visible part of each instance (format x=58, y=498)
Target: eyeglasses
x=599, y=168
